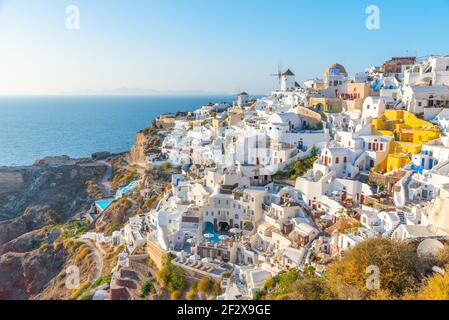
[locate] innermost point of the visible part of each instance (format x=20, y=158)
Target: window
x=369, y=146
x=337, y=160
x=345, y=159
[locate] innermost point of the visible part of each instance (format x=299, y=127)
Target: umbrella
x=235, y=230
x=194, y=257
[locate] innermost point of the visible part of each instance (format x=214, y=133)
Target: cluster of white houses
x=380, y=145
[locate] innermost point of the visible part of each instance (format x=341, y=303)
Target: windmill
x=279, y=74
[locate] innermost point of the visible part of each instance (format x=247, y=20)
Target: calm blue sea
x=35, y=127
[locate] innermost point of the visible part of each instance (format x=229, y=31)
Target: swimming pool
x=102, y=205
x=209, y=228
x=125, y=190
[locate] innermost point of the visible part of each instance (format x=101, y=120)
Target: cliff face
x=24, y=275
x=147, y=141
x=32, y=201
x=62, y=188
x=137, y=154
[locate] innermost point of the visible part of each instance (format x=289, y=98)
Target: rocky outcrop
x=137, y=154
x=147, y=141
x=32, y=200
x=61, y=188
x=24, y=275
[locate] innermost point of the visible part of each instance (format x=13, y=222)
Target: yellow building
x=409, y=133
x=326, y=105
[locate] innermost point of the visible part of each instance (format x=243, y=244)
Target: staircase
x=402, y=219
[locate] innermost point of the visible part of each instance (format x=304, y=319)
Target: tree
x=146, y=288
x=205, y=286
x=311, y=288
x=170, y=276
x=286, y=279
x=176, y=280
x=192, y=293
x=436, y=287
x=397, y=262
x=216, y=290
x=257, y=295
x=269, y=284
x=176, y=295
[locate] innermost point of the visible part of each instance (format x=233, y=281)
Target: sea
x=32, y=128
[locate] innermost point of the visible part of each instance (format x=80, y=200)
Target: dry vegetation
x=403, y=275
x=94, y=190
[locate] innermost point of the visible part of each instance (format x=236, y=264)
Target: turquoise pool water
x=209, y=228
x=103, y=204
x=125, y=190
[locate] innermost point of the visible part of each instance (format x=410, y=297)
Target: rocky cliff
x=33, y=201
x=147, y=141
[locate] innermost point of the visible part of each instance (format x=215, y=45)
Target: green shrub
x=146, y=288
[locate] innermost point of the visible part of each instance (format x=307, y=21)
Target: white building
x=431, y=72
x=426, y=100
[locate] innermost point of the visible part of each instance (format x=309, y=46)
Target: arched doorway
x=223, y=226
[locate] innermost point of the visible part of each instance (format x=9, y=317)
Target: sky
x=204, y=45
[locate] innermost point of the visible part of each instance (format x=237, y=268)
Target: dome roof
x=336, y=66
x=429, y=247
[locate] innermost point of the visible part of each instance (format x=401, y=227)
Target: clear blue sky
x=212, y=45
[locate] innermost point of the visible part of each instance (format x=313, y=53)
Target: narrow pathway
x=105, y=182
x=98, y=258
